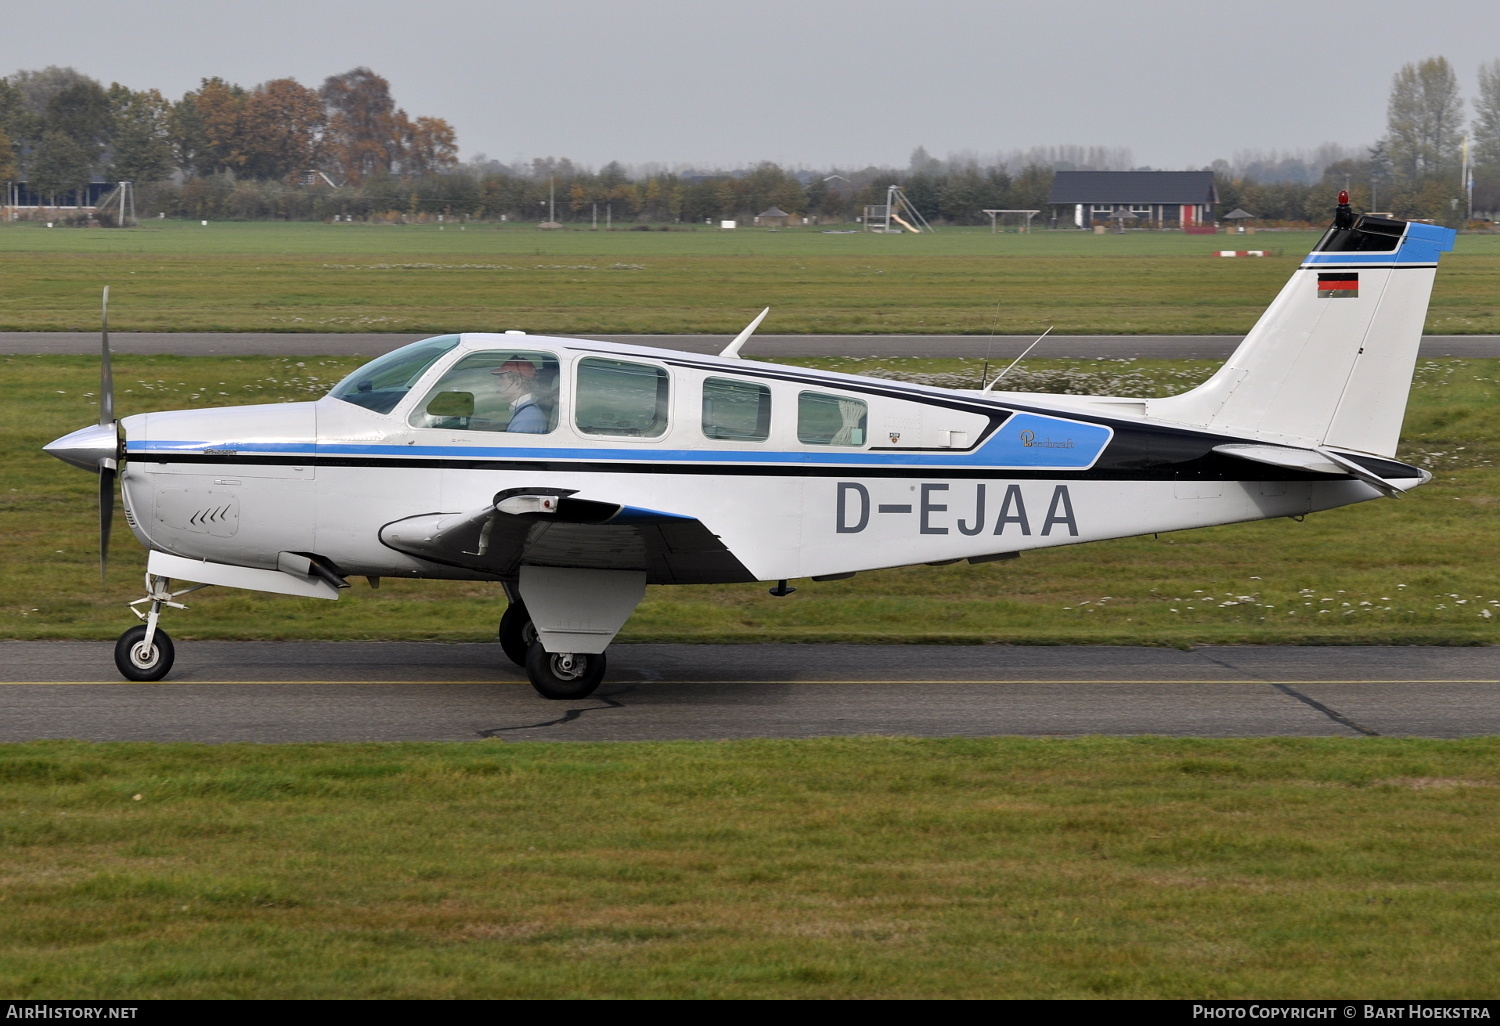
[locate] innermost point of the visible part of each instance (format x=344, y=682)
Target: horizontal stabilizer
x=1311, y=461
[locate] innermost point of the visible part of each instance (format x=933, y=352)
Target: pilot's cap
x=525, y=368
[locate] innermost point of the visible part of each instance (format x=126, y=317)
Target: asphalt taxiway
x=415, y=691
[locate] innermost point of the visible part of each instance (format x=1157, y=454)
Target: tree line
x=222, y=151
x=59, y=129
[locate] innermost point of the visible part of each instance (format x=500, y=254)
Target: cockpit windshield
x=380, y=384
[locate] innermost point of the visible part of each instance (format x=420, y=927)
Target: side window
x=737, y=410
x=831, y=420
x=498, y=390
x=620, y=398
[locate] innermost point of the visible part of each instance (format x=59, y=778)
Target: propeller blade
x=106, y=375
x=106, y=513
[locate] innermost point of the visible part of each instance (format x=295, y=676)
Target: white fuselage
x=930, y=475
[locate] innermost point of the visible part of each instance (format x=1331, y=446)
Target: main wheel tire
x=516, y=633
x=136, y=662
x=563, y=676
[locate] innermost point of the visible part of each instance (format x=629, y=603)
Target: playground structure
x=895, y=215
x=122, y=198
x=1023, y=226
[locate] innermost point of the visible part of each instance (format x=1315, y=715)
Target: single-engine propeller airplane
x=573, y=473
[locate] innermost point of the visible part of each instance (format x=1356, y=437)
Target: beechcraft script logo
x=1338, y=285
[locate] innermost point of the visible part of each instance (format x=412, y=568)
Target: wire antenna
x=1018, y=359
x=984, y=372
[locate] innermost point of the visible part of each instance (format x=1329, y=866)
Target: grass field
x=312, y=277
x=873, y=867
x=1408, y=571
x=876, y=867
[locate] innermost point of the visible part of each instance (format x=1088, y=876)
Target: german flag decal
x=1338, y=285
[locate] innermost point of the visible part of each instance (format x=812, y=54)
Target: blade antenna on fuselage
x=1018, y=359
x=732, y=351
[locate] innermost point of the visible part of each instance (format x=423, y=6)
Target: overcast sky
x=803, y=82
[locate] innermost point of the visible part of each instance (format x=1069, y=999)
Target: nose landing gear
x=145, y=652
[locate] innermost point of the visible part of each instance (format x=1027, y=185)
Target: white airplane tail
x=1330, y=361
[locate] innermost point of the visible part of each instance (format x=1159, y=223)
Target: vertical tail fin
x=1331, y=359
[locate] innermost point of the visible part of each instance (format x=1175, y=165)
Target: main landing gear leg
x=573, y=614
x=145, y=651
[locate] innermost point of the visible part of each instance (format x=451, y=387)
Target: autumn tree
x=365, y=129
x=1424, y=121
x=279, y=129
x=430, y=146
x=220, y=121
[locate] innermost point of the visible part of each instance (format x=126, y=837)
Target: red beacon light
x=1343, y=216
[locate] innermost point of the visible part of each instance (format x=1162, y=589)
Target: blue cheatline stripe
x=1419, y=247
x=1024, y=441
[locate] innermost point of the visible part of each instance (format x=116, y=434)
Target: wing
x=548, y=527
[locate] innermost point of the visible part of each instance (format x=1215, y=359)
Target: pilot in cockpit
x=518, y=386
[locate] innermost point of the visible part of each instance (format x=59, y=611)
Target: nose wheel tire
x=516, y=633
x=563, y=675
x=136, y=661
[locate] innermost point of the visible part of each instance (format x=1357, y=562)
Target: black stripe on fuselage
x=1209, y=466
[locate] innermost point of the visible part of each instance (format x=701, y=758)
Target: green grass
x=355, y=278
x=876, y=867
x=1412, y=571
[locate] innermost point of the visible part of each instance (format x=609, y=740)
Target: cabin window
x=510, y=390
x=831, y=420
x=381, y=384
x=619, y=398
x=736, y=410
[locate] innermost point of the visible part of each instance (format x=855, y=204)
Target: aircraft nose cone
x=86, y=448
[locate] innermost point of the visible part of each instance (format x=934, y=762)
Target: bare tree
x=1425, y=120
x=1487, y=119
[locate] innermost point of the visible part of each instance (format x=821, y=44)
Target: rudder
x=1331, y=359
